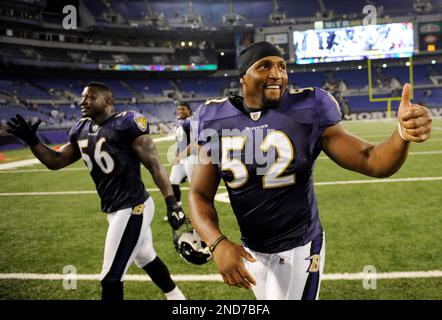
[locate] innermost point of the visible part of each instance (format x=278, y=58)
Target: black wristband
x=32, y=141
x=170, y=201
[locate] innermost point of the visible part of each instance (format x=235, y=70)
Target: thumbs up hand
x=414, y=120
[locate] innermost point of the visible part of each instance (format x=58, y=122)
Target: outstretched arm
x=52, y=159
x=384, y=159
x=145, y=149
x=56, y=159
x=227, y=255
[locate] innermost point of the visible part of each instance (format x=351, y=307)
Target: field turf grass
x=391, y=226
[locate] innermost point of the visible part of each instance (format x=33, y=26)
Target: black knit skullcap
x=255, y=52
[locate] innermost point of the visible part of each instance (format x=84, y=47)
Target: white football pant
x=182, y=169
x=289, y=275
x=128, y=239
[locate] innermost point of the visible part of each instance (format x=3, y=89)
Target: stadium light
x=222, y=53
x=183, y=44
x=431, y=47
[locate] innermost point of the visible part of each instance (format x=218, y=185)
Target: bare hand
x=414, y=119
x=228, y=258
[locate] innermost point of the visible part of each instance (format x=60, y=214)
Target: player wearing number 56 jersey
x=107, y=152
x=264, y=146
x=113, y=145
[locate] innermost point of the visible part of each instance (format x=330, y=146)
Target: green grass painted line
x=324, y=183
x=17, y=164
x=217, y=277
x=12, y=165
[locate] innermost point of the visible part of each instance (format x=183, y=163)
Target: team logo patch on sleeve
x=141, y=121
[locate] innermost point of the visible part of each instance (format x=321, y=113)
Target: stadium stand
x=45, y=68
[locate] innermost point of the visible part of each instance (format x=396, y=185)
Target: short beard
x=270, y=104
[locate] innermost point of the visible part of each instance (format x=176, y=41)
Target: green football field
x=393, y=225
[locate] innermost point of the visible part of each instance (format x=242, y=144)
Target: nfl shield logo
x=255, y=115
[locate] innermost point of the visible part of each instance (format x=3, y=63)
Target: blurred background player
x=283, y=252
x=112, y=146
x=182, y=165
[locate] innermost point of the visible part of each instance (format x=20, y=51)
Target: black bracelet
x=213, y=246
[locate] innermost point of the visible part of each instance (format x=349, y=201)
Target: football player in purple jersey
x=264, y=146
x=184, y=157
x=112, y=146
x=182, y=166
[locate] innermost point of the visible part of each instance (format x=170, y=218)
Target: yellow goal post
x=388, y=99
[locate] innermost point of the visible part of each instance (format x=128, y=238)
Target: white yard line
x=63, y=193
x=47, y=170
x=218, y=278
x=411, y=153
x=328, y=183
x=12, y=165
x=30, y=162
x=323, y=183
x=42, y=170
x=419, y=153
x=166, y=138
x=18, y=164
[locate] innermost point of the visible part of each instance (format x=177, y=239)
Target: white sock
x=175, y=294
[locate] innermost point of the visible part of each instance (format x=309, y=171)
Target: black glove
x=175, y=214
x=24, y=130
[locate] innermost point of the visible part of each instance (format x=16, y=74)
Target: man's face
x=182, y=112
x=265, y=82
x=93, y=102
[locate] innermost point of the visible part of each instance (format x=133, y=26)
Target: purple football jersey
x=182, y=134
x=266, y=160
x=107, y=152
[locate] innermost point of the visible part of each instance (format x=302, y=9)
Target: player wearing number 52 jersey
x=284, y=188
x=264, y=146
x=275, y=205
x=113, y=145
